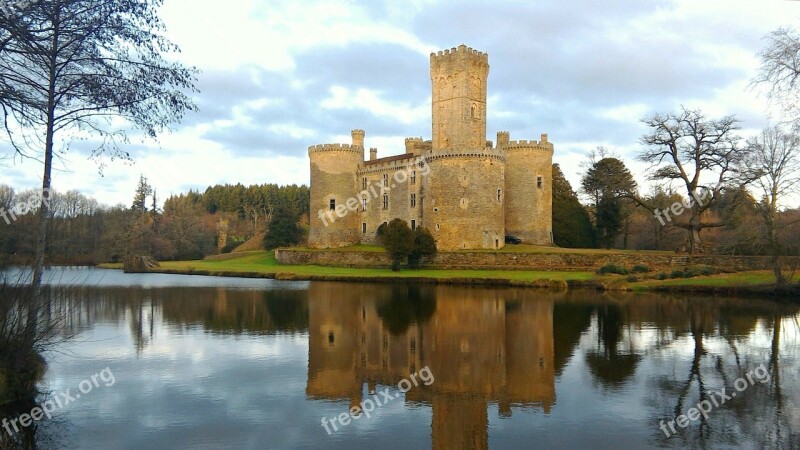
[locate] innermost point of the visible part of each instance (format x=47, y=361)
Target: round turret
x=464, y=199
x=334, y=203
x=529, y=206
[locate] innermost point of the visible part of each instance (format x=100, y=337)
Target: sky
x=279, y=76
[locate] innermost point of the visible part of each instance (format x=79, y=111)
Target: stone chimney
x=373, y=154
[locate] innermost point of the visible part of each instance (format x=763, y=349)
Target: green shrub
x=662, y=276
x=231, y=245
x=612, y=268
x=693, y=271
x=678, y=273
x=640, y=268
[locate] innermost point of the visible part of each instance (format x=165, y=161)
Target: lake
x=169, y=361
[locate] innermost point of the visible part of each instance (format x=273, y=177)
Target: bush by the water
x=640, y=268
x=612, y=268
x=693, y=271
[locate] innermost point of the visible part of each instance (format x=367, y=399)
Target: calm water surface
x=207, y=363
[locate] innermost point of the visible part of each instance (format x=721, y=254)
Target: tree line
x=82, y=231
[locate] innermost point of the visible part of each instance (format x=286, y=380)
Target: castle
x=467, y=191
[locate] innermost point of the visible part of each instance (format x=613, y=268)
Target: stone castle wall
x=462, y=209
x=396, y=180
x=520, y=261
x=529, y=175
x=333, y=177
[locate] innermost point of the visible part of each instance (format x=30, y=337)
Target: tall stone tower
x=463, y=196
x=458, y=78
x=333, y=183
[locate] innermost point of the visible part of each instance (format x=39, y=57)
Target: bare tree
x=779, y=71
x=73, y=68
x=702, y=155
x=773, y=167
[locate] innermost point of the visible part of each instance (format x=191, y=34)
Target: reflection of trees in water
x=407, y=305
x=31, y=322
x=726, y=339
x=691, y=346
x=218, y=310
x=570, y=321
x=725, y=344
x=609, y=364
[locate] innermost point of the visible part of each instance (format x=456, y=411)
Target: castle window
x=385, y=202
x=413, y=346
x=413, y=177
x=363, y=204
x=363, y=184
x=499, y=195
x=539, y=182
x=413, y=200
x=385, y=180
x=364, y=228
x=413, y=225
x=333, y=204
x=474, y=111
x=437, y=227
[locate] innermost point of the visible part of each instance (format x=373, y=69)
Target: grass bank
x=262, y=264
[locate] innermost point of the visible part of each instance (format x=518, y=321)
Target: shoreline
x=264, y=265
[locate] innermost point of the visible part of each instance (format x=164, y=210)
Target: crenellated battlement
x=336, y=148
x=414, y=139
x=461, y=51
x=542, y=144
x=434, y=155
x=528, y=145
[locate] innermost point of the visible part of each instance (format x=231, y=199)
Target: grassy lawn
x=754, y=278
x=265, y=263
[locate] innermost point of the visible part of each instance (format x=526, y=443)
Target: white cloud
x=282, y=75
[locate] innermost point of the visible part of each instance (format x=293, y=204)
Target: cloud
x=278, y=76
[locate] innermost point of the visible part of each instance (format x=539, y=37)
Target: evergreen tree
x=143, y=190
x=424, y=247
x=283, y=229
x=608, y=220
x=572, y=226
x=610, y=185
x=398, y=240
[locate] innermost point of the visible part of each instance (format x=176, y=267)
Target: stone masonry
x=469, y=192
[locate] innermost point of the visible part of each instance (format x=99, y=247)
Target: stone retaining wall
x=519, y=261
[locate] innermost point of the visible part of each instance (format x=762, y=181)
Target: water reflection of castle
x=481, y=345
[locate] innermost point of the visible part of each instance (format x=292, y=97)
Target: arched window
x=474, y=111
